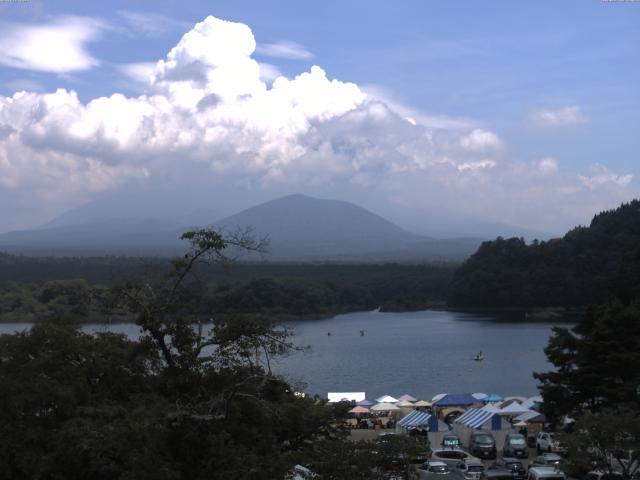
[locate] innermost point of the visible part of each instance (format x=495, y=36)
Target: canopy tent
x=520, y=424
x=526, y=416
x=422, y=403
x=359, y=409
x=491, y=408
x=513, y=409
x=345, y=396
x=404, y=403
x=438, y=397
x=492, y=398
x=364, y=403
x=456, y=400
x=509, y=400
x=474, y=417
x=386, y=399
x=415, y=419
x=540, y=418
x=479, y=396
x=449, y=410
x=532, y=402
x=407, y=398
x=384, y=407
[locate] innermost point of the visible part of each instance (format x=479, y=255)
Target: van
x=515, y=445
x=545, y=473
x=482, y=445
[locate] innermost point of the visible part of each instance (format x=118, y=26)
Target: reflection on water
x=421, y=353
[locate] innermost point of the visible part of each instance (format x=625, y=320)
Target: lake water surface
x=421, y=353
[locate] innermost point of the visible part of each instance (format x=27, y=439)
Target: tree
x=597, y=363
x=182, y=402
x=608, y=441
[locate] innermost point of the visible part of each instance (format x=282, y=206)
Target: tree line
x=584, y=267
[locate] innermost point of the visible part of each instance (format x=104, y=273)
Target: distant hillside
x=586, y=266
x=300, y=228
x=101, y=237
x=305, y=228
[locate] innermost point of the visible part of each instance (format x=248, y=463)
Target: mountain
x=586, y=266
x=303, y=227
x=300, y=228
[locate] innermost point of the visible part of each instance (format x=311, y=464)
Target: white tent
x=531, y=401
x=345, y=396
x=479, y=396
x=491, y=408
x=440, y=396
x=384, y=407
x=404, y=403
x=422, y=403
x=523, y=417
x=513, y=409
x=407, y=398
x=386, y=399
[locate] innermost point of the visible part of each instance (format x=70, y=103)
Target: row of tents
x=476, y=410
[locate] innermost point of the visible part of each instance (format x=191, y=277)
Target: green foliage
x=277, y=290
x=586, y=266
x=597, y=363
x=608, y=441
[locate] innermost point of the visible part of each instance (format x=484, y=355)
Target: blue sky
x=553, y=82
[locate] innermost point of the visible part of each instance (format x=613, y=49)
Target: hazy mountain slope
x=299, y=228
x=302, y=227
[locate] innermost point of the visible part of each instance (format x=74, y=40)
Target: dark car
x=450, y=440
x=496, y=474
x=482, y=445
x=512, y=465
x=470, y=469
x=515, y=445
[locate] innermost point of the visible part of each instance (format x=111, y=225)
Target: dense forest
x=583, y=267
x=81, y=289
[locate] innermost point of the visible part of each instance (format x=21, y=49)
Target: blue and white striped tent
x=475, y=417
x=415, y=419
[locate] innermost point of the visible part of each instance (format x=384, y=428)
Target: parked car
x=450, y=456
x=515, y=445
x=496, y=474
x=546, y=460
x=450, y=440
x=600, y=475
x=545, y=473
x=512, y=465
x=435, y=467
x=470, y=469
x=483, y=445
x=545, y=442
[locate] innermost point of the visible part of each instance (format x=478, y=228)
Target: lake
x=420, y=353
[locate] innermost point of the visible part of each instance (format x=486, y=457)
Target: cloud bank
x=207, y=108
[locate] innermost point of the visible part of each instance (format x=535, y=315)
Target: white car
x=545, y=473
x=546, y=443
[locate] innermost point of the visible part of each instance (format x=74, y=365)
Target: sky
x=526, y=113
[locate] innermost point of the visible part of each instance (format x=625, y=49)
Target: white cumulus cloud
x=60, y=45
x=206, y=109
x=571, y=115
x=285, y=49
x=480, y=141
x=601, y=175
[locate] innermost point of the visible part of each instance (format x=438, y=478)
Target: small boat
x=478, y=357
x=362, y=333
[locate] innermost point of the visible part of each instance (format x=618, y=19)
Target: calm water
x=421, y=353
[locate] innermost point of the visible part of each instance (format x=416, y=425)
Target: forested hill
x=586, y=266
